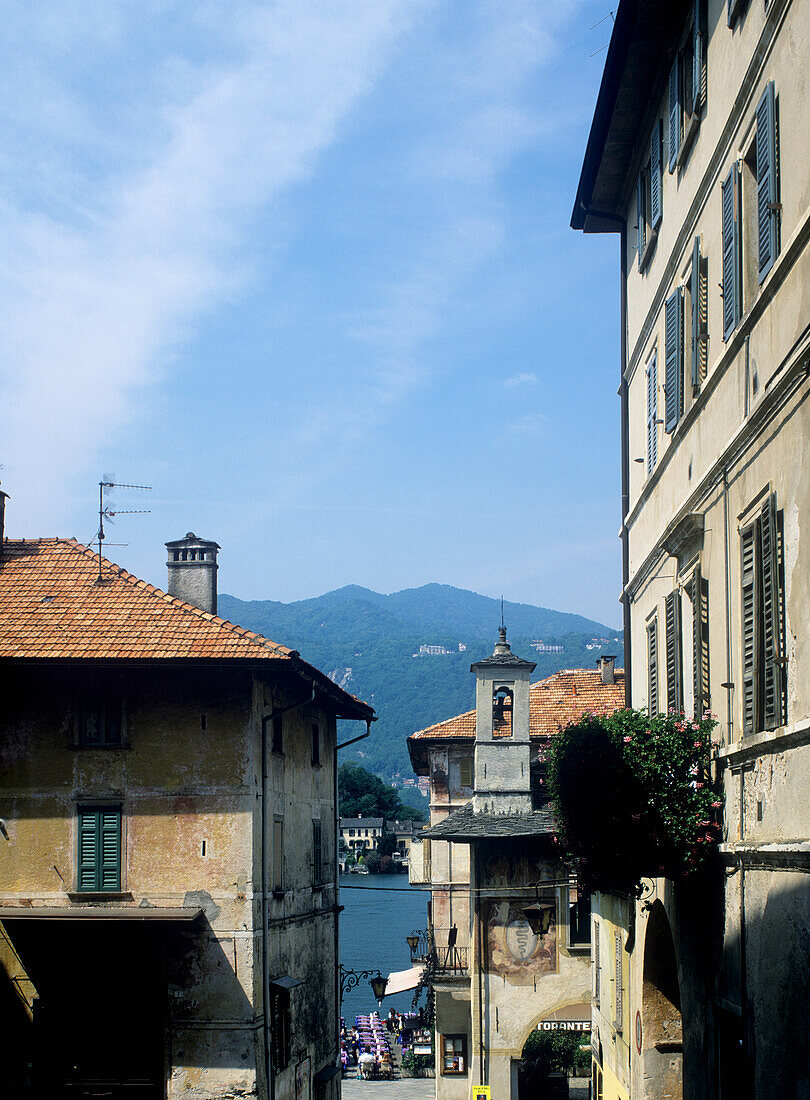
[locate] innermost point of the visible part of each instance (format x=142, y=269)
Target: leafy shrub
x=632, y=797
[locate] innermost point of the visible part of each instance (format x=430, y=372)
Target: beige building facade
x=697, y=160
x=509, y=935
x=168, y=888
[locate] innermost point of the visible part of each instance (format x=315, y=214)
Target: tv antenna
x=107, y=511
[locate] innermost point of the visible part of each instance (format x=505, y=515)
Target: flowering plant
x=633, y=797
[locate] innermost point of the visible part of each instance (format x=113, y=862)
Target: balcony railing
x=438, y=948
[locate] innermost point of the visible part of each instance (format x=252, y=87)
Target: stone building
x=697, y=160
x=362, y=835
x=509, y=935
x=168, y=889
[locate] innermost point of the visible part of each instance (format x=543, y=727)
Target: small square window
x=100, y=721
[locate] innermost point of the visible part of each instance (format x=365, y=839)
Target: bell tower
x=502, y=783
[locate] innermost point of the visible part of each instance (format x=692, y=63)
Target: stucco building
x=697, y=160
x=509, y=935
x=168, y=888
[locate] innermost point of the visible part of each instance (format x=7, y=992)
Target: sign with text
x=564, y=1025
x=481, y=1092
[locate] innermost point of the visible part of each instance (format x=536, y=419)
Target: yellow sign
x=481, y=1092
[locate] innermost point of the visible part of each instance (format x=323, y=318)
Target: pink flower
x=698, y=744
x=627, y=740
x=698, y=786
x=716, y=805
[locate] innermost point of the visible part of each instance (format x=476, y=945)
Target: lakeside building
x=362, y=835
x=168, y=889
x=697, y=160
x=509, y=936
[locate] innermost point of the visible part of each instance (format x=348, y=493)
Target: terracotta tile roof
x=553, y=704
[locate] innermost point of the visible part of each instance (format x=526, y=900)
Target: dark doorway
x=662, y=1026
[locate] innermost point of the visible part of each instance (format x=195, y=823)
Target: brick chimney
x=607, y=666
x=192, y=566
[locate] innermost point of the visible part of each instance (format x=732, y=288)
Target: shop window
x=454, y=1055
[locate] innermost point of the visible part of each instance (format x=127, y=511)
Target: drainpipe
x=729, y=684
x=625, y=465
x=269, y=1072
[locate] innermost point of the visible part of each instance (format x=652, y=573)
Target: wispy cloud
x=530, y=424
x=522, y=379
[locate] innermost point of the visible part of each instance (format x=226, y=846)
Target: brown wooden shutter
x=772, y=668
x=672, y=608
x=700, y=643
x=750, y=631
x=652, y=667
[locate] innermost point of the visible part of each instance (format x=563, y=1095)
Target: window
x=763, y=594
x=732, y=251
x=316, y=744
x=277, y=743
x=619, y=1017
x=698, y=591
x=687, y=88
x=454, y=1055
x=501, y=712
x=652, y=412
x=99, y=848
x=673, y=359
x=465, y=769
x=579, y=918
x=317, y=854
x=278, y=854
x=768, y=207
x=649, y=197
x=597, y=974
x=672, y=614
x=653, y=705
x=280, y=1026
x=100, y=721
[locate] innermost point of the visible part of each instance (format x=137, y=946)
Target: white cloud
x=530, y=424
x=522, y=379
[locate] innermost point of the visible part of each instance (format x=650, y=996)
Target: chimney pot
x=607, y=666
x=192, y=567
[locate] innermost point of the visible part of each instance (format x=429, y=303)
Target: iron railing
x=438, y=948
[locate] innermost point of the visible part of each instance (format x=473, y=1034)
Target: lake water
x=381, y=910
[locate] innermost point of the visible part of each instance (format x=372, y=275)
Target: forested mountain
x=370, y=643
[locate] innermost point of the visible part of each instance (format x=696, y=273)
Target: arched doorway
x=659, y=1033
x=557, y=1045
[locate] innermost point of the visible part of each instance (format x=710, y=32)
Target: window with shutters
x=100, y=721
x=695, y=314
x=653, y=704
x=672, y=627
x=686, y=87
x=317, y=854
x=673, y=359
x=597, y=973
x=652, y=412
x=579, y=918
x=699, y=596
x=99, y=849
x=619, y=970
x=731, y=285
x=760, y=197
x=280, y=1027
x=649, y=199
x=764, y=697
x=465, y=768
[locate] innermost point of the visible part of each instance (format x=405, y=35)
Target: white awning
x=402, y=980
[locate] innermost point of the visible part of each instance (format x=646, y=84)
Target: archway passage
x=661, y=1031
x=550, y=1054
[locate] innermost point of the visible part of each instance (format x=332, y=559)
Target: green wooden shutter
x=697, y=328
x=698, y=55
x=750, y=632
x=673, y=358
x=674, y=113
x=732, y=266
x=110, y=864
x=656, y=176
x=89, y=849
x=641, y=226
x=767, y=210
x=652, y=668
x=652, y=413
x=772, y=668
x=672, y=608
x=700, y=643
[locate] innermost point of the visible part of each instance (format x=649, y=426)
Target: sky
x=305, y=268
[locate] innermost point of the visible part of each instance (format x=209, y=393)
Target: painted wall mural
x=522, y=937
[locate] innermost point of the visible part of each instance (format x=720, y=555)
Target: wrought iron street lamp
x=349, y=979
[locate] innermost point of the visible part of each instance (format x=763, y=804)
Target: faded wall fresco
x=522, y=938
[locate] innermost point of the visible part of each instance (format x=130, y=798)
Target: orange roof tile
x=553, y=704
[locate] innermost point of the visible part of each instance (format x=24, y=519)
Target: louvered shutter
x=652, y=413
x=698, y=55
x=641, y=227
x=652, y=668
x=674, y=126
x=656, y=177
x=673, y=358
x=750, y=617
x=730, y=193
x=694, y=294
x=700, y=643
x=772, y=668
x=767, y=222
x=597, y=972
x=110, y=864
x=89, y=849
x=672, y=608
x=465, y=768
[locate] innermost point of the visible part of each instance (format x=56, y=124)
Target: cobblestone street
x=421, y=1088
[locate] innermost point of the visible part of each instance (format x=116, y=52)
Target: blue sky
x=305, y=268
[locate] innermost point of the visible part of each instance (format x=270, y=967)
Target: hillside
x=369, y=644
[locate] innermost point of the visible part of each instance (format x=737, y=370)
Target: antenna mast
x=106, y=485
